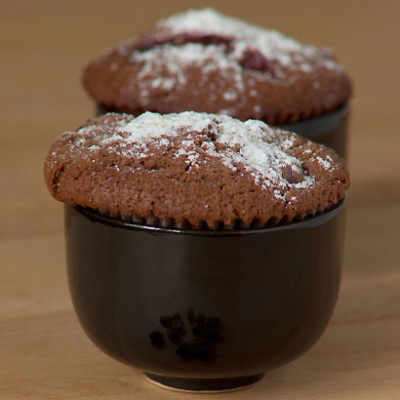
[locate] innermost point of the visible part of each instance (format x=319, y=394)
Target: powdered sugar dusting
x=208, y=21
x=164, y=65
x=270, y=43
x=251, y=144
x=169, y=63
x=153, y=125
x=325, y=163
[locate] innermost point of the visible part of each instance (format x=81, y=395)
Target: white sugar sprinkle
x=164, y=66
x=326, y=164
x=251, y=144
x=230, y=96
x=272, y=44
x=169, y=63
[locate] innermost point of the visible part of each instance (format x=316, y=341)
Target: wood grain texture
x=44, y=353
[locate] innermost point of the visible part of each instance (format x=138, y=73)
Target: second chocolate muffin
x=203, y=61
x=194, y=171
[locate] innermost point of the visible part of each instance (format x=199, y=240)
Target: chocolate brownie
x=203, y=61
x=194, y=170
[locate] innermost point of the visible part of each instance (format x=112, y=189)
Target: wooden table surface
x=44, y=353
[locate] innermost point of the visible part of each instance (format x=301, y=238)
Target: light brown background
x=44, y=353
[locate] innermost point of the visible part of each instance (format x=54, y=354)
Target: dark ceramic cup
x=329, y=129
x=203, y=310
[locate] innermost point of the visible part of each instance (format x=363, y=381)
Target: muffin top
x=196, y=169
x=203, y=61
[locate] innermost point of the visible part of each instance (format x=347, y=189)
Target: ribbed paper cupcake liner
x=236, y=225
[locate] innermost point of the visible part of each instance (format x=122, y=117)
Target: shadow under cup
x=203, y=310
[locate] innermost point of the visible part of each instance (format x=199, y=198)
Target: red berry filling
x=251, y=59
x=182, y=39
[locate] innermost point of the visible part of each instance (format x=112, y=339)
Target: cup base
x=203, y=385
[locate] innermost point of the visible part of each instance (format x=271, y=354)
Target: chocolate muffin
x=203, y=61
x=194, y=170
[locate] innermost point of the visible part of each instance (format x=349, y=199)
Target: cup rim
x=314, y=221
x=312, y=126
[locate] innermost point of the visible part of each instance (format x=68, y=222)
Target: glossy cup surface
x=203, y=310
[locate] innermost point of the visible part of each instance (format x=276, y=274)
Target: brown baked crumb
x=196, y=169
x=203, y=61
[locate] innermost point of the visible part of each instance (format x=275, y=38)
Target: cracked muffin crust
x=204, y=61
x=194, y=170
